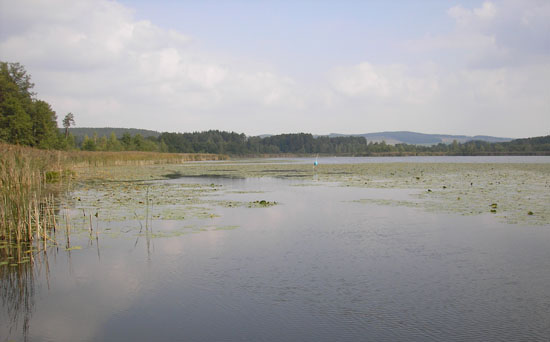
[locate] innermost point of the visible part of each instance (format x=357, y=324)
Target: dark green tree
x=126, y=141
x=68, y=121
x=15, y=123
x=24, y=119
x=44, y=125
x=88, y=144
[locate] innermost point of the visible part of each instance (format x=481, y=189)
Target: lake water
x=410, y=159
x=318, y=266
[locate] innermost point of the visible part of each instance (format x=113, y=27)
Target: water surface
x=321, y=265
x=407, y=159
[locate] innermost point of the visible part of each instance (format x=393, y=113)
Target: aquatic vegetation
x=261, y=204
x=125, y=207
x=28, y=207
x=462, y=188
x=400, y=203
x=131, y=197
x=226, y=228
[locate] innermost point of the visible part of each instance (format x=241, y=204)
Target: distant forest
x=301, y=143
x=26, y=120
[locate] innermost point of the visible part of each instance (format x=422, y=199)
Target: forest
x=29, y=121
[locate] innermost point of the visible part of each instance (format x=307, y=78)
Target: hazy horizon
x=352, y=67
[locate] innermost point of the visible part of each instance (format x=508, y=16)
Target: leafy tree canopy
x=24, y=119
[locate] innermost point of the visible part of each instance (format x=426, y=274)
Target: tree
x=15, y=123
x=126, y=141
x=102, y=143
x=113, y=144
x=138, y=142
x=24, y=119
x=68, y=121
x=44, y=125
x=15, y=103
x=88, y=144
x=18, y=77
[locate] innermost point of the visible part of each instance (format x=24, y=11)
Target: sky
x=269, y=67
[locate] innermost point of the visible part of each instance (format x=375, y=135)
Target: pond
x=295, y=255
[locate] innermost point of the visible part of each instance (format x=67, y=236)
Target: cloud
x=462, y=100
x=466, y=17
x=503, y=34
x=94, y=59
x=492, y=68
x=392, y=82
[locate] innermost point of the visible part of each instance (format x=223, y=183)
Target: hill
x=414, y=138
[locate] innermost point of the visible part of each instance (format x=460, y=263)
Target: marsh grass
x=30, y=178
x=87, y=158
x=27, y=210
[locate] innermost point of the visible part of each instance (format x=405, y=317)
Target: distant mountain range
x=391, y=138
x=414, y=138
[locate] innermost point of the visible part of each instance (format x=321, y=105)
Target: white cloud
x=494, y=35
x=492, y=70
x=466, y=17
x=392, y=82
x=94, y=59
x=464, y=100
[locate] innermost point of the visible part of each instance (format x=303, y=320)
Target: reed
x=90, y=159
x=26, y=207
x=28, y=177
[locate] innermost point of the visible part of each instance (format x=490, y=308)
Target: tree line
x=27, y=120
x=234, y=143
x=221, y=142
x=305, y=143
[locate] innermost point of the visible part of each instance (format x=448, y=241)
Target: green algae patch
x=226, y=228
x=230, y=204
x=245, y=192
x=388, y=202
x=261, y=204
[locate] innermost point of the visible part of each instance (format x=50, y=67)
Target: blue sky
x=298, y=35
x=457, y=67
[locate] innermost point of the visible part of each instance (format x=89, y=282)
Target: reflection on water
x=17, y=285
x=317, y=266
